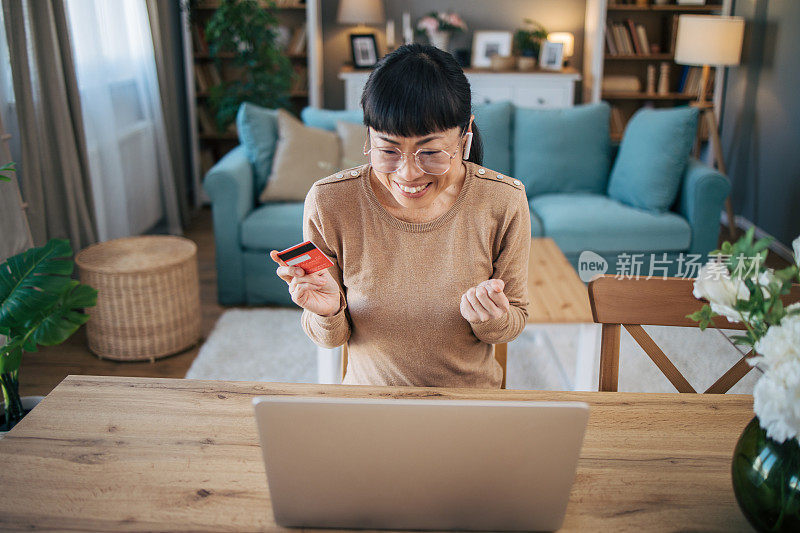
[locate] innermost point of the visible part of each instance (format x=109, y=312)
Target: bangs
x=413, y=96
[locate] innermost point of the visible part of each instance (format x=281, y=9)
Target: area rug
x=268, y=344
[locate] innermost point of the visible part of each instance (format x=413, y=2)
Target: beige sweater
x=402, y=282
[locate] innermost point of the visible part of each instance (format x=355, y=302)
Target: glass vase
x=766, y=480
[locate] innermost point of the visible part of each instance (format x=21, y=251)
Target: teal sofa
x=584, y=192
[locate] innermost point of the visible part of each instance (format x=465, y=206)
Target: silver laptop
x=419, y=464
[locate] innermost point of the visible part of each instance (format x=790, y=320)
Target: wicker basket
x=148, y=301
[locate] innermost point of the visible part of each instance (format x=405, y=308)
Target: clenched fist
x=317, y=292
x=485, y=301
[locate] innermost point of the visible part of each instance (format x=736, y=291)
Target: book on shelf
x=213, y=75
x=206, y=160
x=200, y=78
x=611, y=45
x=207, y=124
x=641, y=33
x=673, y=36
x=617, y=122
x=631, y=29
x=199, y=39
x=297, y=44
x=300, y=79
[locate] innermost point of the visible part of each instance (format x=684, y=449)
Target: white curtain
x=126, y=140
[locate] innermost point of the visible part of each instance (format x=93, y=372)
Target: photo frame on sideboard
x=485, y=44
x=364, y=50
x=551, y=55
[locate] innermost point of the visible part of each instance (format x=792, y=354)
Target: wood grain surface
x=556, y=293
x=115, y=453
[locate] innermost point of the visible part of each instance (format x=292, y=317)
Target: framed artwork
x=364, y=50
x=485, y=44
x=551, y=55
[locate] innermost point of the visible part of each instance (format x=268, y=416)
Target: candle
x=390, y=34
x=408, y=36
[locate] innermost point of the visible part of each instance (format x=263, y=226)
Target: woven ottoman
x=148, y=296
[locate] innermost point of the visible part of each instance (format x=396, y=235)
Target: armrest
x=229, y=184
x=702, y=196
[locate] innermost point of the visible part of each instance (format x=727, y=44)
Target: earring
x=468, y=146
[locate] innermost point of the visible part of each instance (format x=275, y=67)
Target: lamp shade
x=360, y=12
x=709, y=40
x=564, y=37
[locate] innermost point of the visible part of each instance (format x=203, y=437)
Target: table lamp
x=567, y=39
x=705, y=40
x=360, y=13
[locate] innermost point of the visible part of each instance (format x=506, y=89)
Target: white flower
x=428, y=23
x=796, y=246
x=780, y=345
x=776, y=401
x=714, y=283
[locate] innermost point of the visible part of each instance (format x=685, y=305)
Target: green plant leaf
x=63, y=319
x=34, y=280
x=8, y=167
x=704, y=316
x=10, y=360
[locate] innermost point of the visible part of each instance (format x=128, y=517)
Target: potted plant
x=766, y=461
x=246, y=33
x=39, y=305
x=527, y=42
x=439, y=26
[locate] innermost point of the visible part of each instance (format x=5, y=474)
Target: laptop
x=364, y=463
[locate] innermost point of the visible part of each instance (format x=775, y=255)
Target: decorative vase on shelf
x=766, y=480
x=440, y=39
x=525, y=63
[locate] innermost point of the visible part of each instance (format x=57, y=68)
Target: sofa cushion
x=596, y=222
x=562, y=150
x=494, y=126
x=258, y=133
x=352, y=137
x=273, y=226
x=652, y=157
x=303, y=155
x=326, y=118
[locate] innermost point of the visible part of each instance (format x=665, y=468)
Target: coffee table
x=556, y=295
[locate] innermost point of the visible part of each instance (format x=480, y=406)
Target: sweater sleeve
x=512, y=251
x=325, y=331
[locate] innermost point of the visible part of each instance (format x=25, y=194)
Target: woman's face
x=410, y=186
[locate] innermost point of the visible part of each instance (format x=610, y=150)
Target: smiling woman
x=430, y=248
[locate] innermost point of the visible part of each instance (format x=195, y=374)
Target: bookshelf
x=623, y=40
x=301, y=36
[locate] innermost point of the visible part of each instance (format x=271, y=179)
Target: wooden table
x=110, y=453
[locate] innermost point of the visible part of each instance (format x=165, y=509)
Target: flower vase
x=765, y=477
x=440, y=39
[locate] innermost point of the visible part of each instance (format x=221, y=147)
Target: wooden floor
x=42, y=371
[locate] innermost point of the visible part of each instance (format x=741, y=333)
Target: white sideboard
x=538, y=88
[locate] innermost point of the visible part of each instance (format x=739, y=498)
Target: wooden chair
x=500, y=353
x=655, y=302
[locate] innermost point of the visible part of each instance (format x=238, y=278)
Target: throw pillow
x=562, y=150
x=652, y=157
x=258, y=133
x=303, y=156
x=327, y=118
x=494, y=126
x=352, y=137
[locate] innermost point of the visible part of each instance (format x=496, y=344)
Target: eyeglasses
x=389, y=159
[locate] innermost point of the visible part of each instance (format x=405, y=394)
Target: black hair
x=416, y=90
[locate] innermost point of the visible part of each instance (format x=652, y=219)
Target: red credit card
x=306, y=256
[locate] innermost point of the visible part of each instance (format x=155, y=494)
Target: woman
x=430, y=248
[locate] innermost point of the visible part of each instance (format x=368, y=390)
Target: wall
x=761, y=118
x=555, y=15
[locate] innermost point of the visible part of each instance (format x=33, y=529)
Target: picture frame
x=485, y=44
x=551, y=56
x=364, y=50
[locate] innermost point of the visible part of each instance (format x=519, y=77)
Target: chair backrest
x=500, y=353
x=654, y=302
